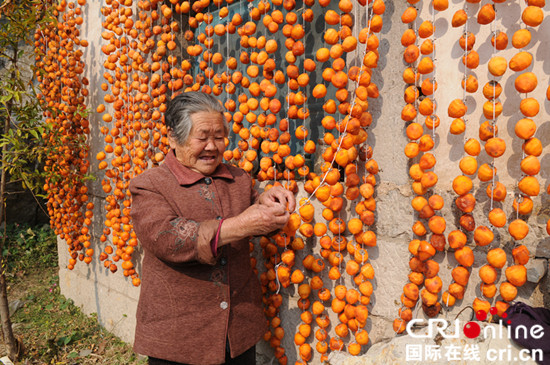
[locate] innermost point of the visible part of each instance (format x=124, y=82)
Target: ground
x=51, y=328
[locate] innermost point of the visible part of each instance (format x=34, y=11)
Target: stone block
x=536, y=269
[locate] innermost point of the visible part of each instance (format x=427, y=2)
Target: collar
x=186, y=176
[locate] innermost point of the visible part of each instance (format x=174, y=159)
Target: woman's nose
x=210, y=145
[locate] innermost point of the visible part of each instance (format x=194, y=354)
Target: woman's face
x=203, y=149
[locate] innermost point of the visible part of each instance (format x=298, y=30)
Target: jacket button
x=223, y=305
x=223, y=261
x=208, y=181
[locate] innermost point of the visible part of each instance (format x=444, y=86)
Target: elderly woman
x=200, y=302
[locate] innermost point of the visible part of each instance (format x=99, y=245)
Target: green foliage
x=25, y=153
x=20, y=112
x=29, y=247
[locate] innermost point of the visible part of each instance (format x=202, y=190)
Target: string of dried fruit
x=428, y=179
x=326, y=188
x=344, y=153
x=137, y=94
x=525, y=128
x=63, y=92
x=468, y=165
x=414, y=132
x=117, y=52
x=272, y=299
x=424, y=270
x=488, y=133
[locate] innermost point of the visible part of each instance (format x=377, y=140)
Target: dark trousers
x=246, y=358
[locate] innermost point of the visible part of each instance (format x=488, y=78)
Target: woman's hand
x=257, y=220
x=278, y=195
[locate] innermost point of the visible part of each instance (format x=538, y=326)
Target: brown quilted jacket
x=186, y=308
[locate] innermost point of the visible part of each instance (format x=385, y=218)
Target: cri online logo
x=472, y=329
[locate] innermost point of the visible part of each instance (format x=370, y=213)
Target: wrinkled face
x=203, y=150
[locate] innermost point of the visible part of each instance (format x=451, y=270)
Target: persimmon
x=462, y=185
x=486, y=14
x=508, y=291
x=411, y=53
x=529, y=107
x=457, y=239
x=529, y=185
x=521, y=38
x=471, y=59
x=496, y=257
x=495, y=147
x=437, y=224
x=483, y=236
x=532, y=146
x=468, y=165
x=526, y=82
x=456, y=290
x=525, y=128
x=408, y=37
x=492, y=109
x=411, y=291
x=520, y=61
x=521, y=255
x=497, y=217
x=428, y=298
x=457, y=109
x=496, y=192
x=459, y=18
x=470, y=84
x=518, y=229
x=457, y=126
x=488, y=290
x=523, y=205
x=472, y=147
x=448, y=299
x=467, y=41
x=434, y=284
x=465, y=256
x=409, y=15
x=488, y=274
x=500, y=40
x=532, y=16
x=497, y=65
x=486, y=172
x=481, y=305
x=399, y=325
x=492, y=90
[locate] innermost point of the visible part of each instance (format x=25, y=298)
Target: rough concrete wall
x=114, y=298
x=94, y=288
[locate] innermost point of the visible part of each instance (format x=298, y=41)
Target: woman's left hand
x=278, y=195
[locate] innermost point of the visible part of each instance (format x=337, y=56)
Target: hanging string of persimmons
x=62, y=94
x=237, y=58
x=424, y=270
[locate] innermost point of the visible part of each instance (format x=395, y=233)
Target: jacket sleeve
x=254, y=195
x=171, y=238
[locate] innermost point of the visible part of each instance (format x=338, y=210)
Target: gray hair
x=179, y=110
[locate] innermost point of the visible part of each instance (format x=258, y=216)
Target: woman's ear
x=171, y=140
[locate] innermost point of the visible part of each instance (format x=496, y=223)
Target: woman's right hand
x=257, y=220
x=263, y=219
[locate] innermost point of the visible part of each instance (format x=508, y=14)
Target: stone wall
x=114, y=299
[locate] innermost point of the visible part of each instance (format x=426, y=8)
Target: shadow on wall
x=24, y=208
